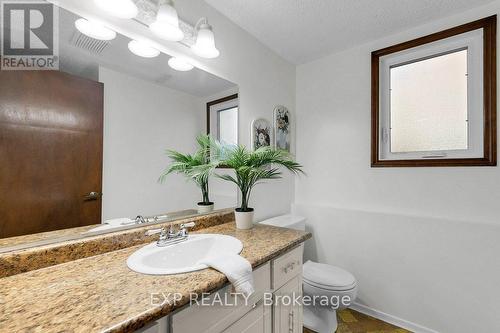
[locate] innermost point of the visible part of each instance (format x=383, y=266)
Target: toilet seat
x=329, y=288
x=327, y=277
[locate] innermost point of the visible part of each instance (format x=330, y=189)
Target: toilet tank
x=287, y=221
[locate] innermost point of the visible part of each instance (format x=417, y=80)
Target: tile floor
x=351, y=321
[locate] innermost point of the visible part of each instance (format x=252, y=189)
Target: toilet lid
x=328, y=277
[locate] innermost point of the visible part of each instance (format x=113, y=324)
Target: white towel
x=112, y=224
x=237, y=270
x=119, y=221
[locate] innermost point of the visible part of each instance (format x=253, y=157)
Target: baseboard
x=391, y=319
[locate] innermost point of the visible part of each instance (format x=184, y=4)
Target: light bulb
x=180, y=64
x=94, y=30
x=125, y=9
x=205, y=42
x=166, y=24
x=142, y=49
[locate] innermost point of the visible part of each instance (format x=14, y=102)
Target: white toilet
x=332, y=287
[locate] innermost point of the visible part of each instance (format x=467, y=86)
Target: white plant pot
x=204, y=209
x=244, y=220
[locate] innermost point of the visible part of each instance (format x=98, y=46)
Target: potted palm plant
x=251, y=168
x=197, y=167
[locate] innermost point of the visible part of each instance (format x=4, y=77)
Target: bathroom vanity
x=101, y=294
x=278, y=277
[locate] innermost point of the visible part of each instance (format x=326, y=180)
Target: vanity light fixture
x=180, y=64
x=94, y=30
x=205, y=40
x=142, y=49
x=125, y=9
x=166, y=25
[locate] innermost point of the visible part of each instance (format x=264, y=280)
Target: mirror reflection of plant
x=254, y=167
x=197, y=167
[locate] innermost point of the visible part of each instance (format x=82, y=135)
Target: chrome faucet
x=153, y=219
x=170, y=236
x=140, y=219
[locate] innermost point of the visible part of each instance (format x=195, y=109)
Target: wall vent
x=88, y=44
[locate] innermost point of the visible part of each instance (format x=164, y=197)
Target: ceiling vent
x=89, y=44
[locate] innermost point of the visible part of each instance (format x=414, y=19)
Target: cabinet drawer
x=287, y=267
x=216, y=318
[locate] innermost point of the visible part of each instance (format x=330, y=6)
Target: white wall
x=423, y=242
x=141, y=121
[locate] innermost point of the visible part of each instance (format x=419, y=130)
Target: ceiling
x=116, y=56
x=304, y=30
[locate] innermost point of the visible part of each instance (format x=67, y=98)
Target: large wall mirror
x=82, y=147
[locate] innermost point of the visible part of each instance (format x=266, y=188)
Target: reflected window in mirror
x=222, y=119
x=228, y=125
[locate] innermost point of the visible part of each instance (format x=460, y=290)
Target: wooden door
x=51, y=127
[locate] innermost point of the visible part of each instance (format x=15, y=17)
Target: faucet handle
x=188, y=225
x=155, y=231
x=184, y=227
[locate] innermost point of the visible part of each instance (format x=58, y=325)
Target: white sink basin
x=182, y=257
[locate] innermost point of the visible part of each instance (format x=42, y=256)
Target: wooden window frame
x=489, y=26
x=219, y=101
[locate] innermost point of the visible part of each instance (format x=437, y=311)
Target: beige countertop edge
x=86, y=295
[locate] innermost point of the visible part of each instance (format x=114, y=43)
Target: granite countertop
x=41, y=256
x=45, y=236
x=101, y=294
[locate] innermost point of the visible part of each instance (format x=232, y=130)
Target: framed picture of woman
x=261, y=133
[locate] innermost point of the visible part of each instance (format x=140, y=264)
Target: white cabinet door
x=256, y=321
x=216, y=318
x=287, y=315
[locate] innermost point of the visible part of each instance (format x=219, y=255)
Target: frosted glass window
x=432, y=99
x=228, y=126
x=428, y=104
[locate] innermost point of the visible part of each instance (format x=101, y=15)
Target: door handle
x=92, y=196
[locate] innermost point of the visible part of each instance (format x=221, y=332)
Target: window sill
x=441, y=162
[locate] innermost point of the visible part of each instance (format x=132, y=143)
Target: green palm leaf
x=197, y=167
x=254, y=167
